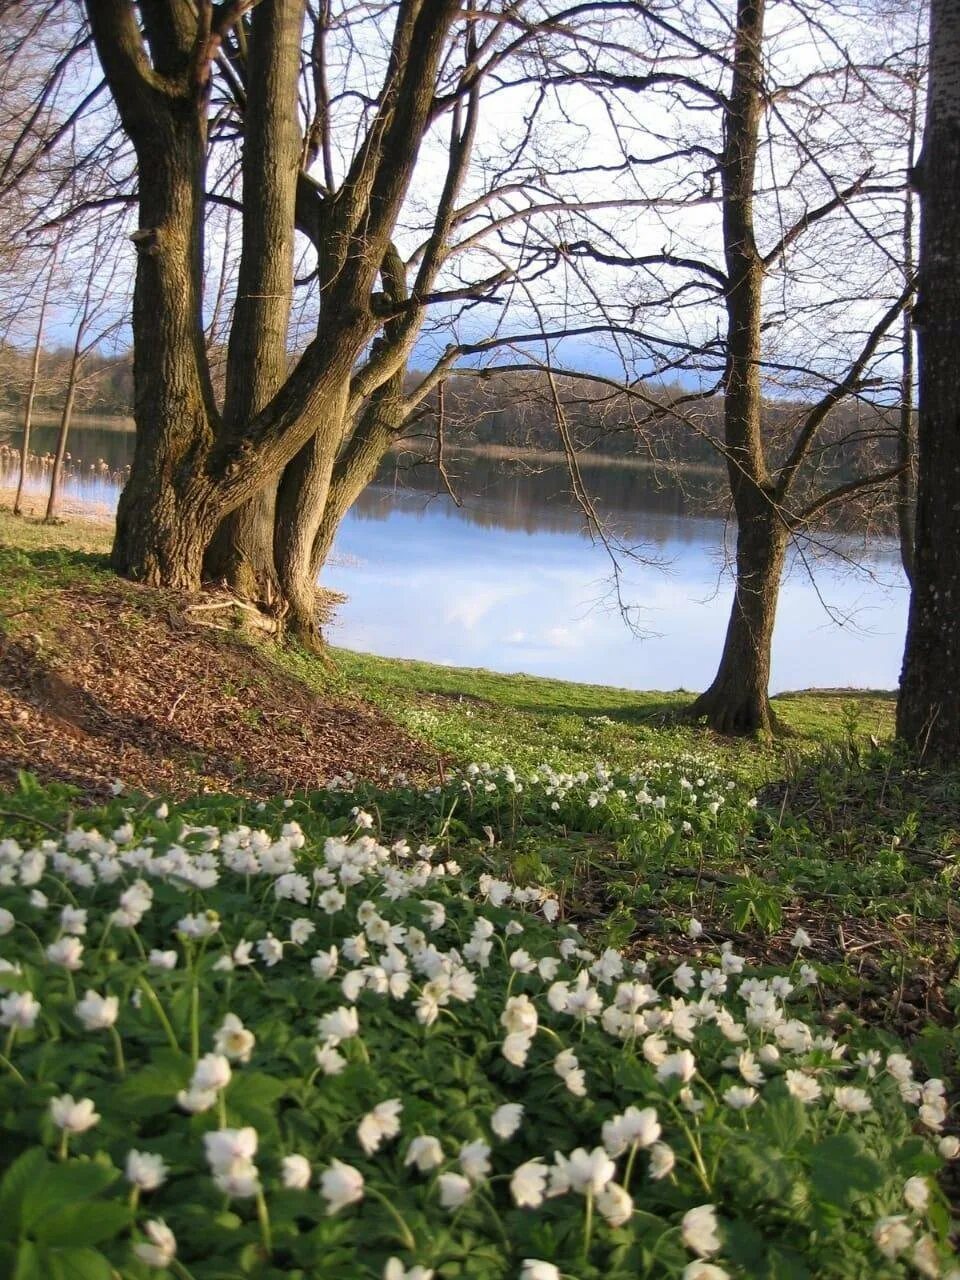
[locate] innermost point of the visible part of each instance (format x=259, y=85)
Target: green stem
x=134, y=1199
x=629, y=1169
x=588, y=1225
x=406, y=1235
x=118, y=1052
x=222, y=1109
x=195, y=1021
x=8, y=1046
x=695, y=1149
x=158, y=1009
x=179, y=1269
x=263, y=1217
x=64, y=1144
x=5, y=1061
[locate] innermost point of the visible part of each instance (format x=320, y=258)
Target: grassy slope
x=846, y=841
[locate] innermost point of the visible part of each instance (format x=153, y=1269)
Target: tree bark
x=56, y=478
x=737, y=700
x=928, y=712
x=241, y=553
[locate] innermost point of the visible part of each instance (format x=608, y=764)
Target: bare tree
x=928, y=712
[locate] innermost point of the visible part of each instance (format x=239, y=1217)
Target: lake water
x=510, y=581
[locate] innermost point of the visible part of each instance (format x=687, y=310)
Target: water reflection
x=510, y=580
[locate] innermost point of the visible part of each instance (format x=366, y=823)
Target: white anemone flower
x=425, y=1152
x=73, y=1116
x=19, y=1010
x=234, y=1040
x=506, y=1120
x=296, y=1172
x=383, y=1122
x=96, y=1012
x=340, y=1185
x=160, y=1247
x=455, y=1190
x=699, y=1230
x=537, y=1269
x=145, y=1170
x=528, y=1184
x=615, y=1204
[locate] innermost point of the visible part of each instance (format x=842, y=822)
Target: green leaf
x=24, y=1170
x=83, y=1224
x=784, y=1121
x=76, y=1264
x=28, y=1263
x=840, y=1170
x=63, y=1184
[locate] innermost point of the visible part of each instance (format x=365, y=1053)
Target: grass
x=850, y=841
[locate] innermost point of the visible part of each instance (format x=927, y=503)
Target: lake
x=510, y=580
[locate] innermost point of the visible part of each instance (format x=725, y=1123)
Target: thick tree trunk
x=928, y=713
x=737, y=700
x=241, y=554
x=164, y=517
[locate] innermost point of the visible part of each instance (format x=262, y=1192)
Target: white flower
x=73, y=1116
x=475, y=1160
x=916, y=1194
x=570, y=1072
x=197, y=1100
x=505, y=1121
x=292, y=887
x=296, y=1172
x=893, y=1235
x=803, y=1086
x=342, y=1024
x=66, y=952
x=162, y=959
x=515, y=1048
x=162, y=1247
x=20, y=1010
x=519, y=1016
x=662, y=1161
x=454, y=1189
x=699, y=1230
x=211, y=1072
x=949, y=1147
x=73, y=920
x=145, y=1170
x=633, y=1128
x=528, y=1184
x=682, y=1066
x=331, y=901
x=395, y=1270
x=740, y=1097
x=694, y=928
x=701, y=1270
x=850, y=1098
x=324, y=964
x=425, y=1152
x=537, y=1269
x=582, y=1171
x=225, y=1147
x=801, y=939
x=270, y=950
x=615, y=1204
x=233, y=1040
x=239, y=1179
x=97, y=1012
x=380, y=1123
x=301, y=930
x=341, y=1185
x=924, y=1257
x=330, y=1062
x=7, y=921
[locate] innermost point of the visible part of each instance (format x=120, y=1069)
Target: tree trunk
x=56, y=478
x=165, y=516
x=928, y=712
x=737, y=701
x=241, y=554
x=34, y=380
x=301, y=498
